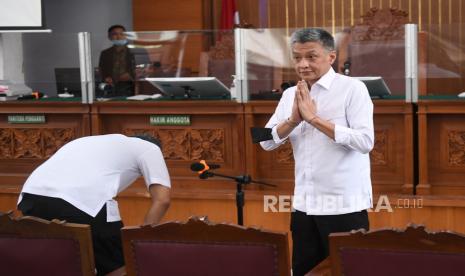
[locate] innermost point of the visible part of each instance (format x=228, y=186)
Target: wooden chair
x=413, y=251
x=199, y=247
x=33, y=246
x=219, y=61
x=376, y=47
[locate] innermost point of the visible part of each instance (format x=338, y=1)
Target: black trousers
x=310, y=236
x=106, y=236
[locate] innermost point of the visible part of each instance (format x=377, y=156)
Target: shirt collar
x=326, y=80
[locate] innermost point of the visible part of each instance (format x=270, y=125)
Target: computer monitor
x=191, y=87
x=376, y=86
x=68, y=79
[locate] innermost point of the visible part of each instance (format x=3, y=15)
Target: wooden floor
x=435, y=212
x=445, y=213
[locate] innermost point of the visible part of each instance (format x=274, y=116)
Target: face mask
x=120, y=42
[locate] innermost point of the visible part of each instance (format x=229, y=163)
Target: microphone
x=202, y=166
x=347, y=68
x=106, y=88
x=32, y=96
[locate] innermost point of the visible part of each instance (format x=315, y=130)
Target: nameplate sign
x=26, y=119
x=170, y=120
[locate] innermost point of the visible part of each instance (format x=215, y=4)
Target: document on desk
x=144, y=97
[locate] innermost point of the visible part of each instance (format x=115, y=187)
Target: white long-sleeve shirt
x=331, y=176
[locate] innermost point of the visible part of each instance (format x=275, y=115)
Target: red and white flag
x=229, y=14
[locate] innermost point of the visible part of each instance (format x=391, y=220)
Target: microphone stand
x=240, y=180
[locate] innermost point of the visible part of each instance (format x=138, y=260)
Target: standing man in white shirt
x=328, y=119
x=80, y=181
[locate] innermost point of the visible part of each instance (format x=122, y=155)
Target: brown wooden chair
x=376, y=47
x=199, y=247
x=33, y=246
x=219, y=61
x=413, y=251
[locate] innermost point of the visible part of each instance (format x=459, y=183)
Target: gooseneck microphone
x=346, y=69
x=202, y=166
x=203, y=169
x=32, y=96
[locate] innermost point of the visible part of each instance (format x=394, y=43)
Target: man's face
x=311, y=60
x=117, y=34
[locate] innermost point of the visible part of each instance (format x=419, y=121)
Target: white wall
x=11, y=57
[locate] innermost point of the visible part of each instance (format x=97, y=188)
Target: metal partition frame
x=411, y=63
x=87, y=71
x=240, y=80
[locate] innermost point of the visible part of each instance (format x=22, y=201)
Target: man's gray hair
x=313, y=35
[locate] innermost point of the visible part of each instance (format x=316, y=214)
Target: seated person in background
x=80, y=181
x=116, y=64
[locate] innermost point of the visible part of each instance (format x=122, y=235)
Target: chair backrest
x=219, y=61
x=202, y=248
x=392, y=252
x=33, y=246
x=376, y=47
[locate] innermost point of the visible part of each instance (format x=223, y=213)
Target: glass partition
x=269, y=70
x=267, y=66
x=47, y=63
x=126, y=66
x=442, y=61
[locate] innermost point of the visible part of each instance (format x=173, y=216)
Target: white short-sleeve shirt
x=90, y=171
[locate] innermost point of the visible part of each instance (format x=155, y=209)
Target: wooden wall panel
x=436, y=213
x=441, y=141
x=158, y=15
x=249, y=12
x=8, y=199
x=392, y=156
x=216, y=134
x=23, y=147
x=441, y=20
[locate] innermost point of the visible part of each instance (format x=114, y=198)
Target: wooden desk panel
x=275, y=166
x=216, y=134
x=441, y=131
x=25, y=146
x=219, y=133
x=392, y=156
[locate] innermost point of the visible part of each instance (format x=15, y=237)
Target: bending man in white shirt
x=80, y=181
x=328, y=118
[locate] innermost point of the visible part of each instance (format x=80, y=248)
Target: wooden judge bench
x=219, y=133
